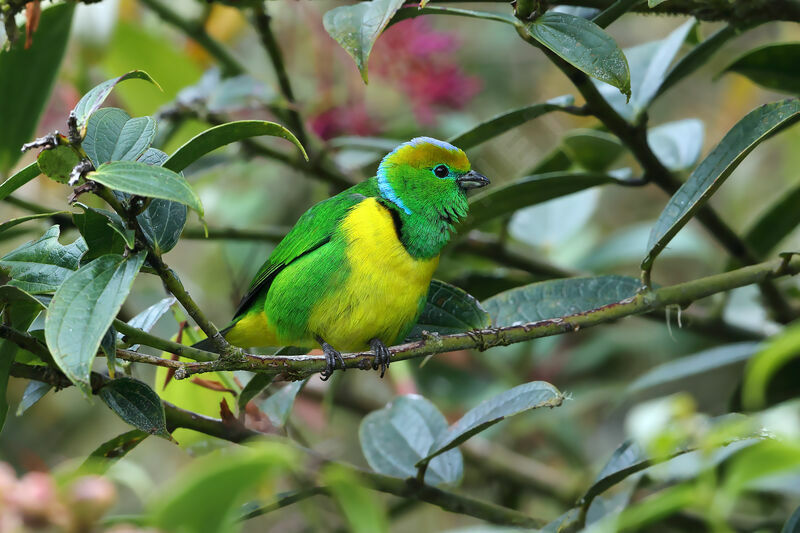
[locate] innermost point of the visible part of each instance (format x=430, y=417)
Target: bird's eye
x=441, y=171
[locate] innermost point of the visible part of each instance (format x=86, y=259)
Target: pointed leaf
x=677, y=144
x=8, y=224
x=28, y=77
x=507, y=121
x=558, y=298
x=531, y=190
x=112, y=135
x=111, y=451
x=34, y=392
x=449, y=309
x=394, y=439
x=593, y=150
x=162, y=224
x=584, y=45
x=39, y=266
x=93, y=224
x=137, y=404
x=279, y=405
x=148, y=318
x=773, y=66
x=357, y=27
x=742, y=139
x=257, y=383
x=83, y=308
x=521, y=398
x=92, y=100
x=153, y=156
x=219, y=136
x=776, y=223
x=19, y=179
x=134, y=177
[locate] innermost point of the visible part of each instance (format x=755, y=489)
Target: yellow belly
x=382, y=294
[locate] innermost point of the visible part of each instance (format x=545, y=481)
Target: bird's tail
x=207, y=344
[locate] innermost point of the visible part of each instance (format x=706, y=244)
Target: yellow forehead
x=426, y=153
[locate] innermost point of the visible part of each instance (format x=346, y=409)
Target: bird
x=353, y=273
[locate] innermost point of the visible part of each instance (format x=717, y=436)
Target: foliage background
x=435, y=76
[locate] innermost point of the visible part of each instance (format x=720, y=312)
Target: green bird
x=354, y=272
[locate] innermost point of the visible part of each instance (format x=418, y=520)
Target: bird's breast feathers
x=382, y=295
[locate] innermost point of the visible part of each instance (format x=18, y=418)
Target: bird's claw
x=382, y=355
x=332, y=356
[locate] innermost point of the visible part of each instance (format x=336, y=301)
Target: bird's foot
x=382, y=355
x=332, y=356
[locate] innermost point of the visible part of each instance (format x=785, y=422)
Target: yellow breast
x=382, y=294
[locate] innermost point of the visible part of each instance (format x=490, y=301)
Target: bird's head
x=428, y=177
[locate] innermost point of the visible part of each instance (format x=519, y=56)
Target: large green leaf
x=40, y=266
x=137, y=404
x=112, y=135
x=449, y=309
x=677, y=144
x=773, y=66
x=28, y=77
x=134, y=177
x=394, y=439
x=593, y=150
x=278, y=406
x=83, y=308
x=521, y=398
x=558, y=298
x=584, y=45
x=531, y=190
x=207, y=496
x=19, y=179
x=100, y=237
x=219, y=136
x=357, y=27
x=92, y=100
x=777, y=222
x=502, y=123
x=57, y=163
x=742, y=139
x=649, y=64
x=162, y=224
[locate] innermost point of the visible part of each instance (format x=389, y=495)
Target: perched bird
x=353, y=273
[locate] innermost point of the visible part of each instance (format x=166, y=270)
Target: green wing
x=313, y=230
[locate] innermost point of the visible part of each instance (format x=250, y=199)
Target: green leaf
x=153, y=156
x=278, y=406
x=654, y=3
x=92, y=100
x=206, y=497
x=649, y=64
x=779, y=350
x=677, y=144
x=773, y=225
x=521, y=398
x=412, y=11
x=57, y=163
x=112, y=135
x=148, y=318
x=39, y=266
x=593, y=150
x=219, y=136
x=83, y=308
x=141, y=179
x=162, y=224
x=34, y=392
x=773, y=66
x=363, y=510
x=15, y=221
x=768, y=458
x=394, y=439
x=111, y=451
x=19, y=179
x=257, y=383
x=584, y=45
x=792, y=525
x=742, y=139
x=95, y=227
x=28, y=77
x=531, y=190
x=507, y=121
x=137, y=404
x=700, y=364
x=109, y=346
x=449, y=309
x=558, y=298
x=357, y=27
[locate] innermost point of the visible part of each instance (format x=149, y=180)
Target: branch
x=267, y=234
x=299, y=366
x=230, y=65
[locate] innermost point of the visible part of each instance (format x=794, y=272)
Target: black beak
x=472, y=180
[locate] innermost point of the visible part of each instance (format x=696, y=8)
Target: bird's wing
x=313, y=230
